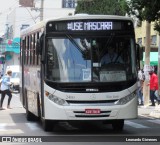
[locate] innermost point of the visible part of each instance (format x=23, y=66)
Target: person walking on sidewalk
x=5, y=89
x=153, y=86
x=141, y=79
x=158, y=96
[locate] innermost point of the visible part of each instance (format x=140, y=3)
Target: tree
x=157, y=26
x=145, y=10
x=106, y=7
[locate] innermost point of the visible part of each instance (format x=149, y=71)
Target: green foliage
x=148, y=10
x=104, y=7
x=157, y=26
x=144, y=9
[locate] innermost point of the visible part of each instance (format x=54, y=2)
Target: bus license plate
x=92, y=111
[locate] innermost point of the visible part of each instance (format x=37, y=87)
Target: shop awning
x=153, y=58
x=13, y=45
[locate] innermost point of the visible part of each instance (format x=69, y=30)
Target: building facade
x=140, y=32
x=21, y=17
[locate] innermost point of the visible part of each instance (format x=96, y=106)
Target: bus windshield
x=90, y=58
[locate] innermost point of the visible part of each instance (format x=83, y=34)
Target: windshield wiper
x=107, y=44
x=75, y=44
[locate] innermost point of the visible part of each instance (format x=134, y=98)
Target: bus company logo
x=6, y=139
x=92, y=90
x=93, y=97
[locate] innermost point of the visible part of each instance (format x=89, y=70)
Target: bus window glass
x=67, y=61
x=85, y=59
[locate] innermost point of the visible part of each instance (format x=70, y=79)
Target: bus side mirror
x=38, y=47
x=139, y=52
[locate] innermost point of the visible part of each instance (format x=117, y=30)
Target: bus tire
x=118, y=125
x=30, y=116
x=48, y=125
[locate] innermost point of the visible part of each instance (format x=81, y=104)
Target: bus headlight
x=57, y=100
x=125, y=99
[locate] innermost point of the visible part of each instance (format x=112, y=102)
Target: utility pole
x=146, y=86
x=41, y=10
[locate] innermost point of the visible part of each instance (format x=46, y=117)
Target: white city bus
x=63, y=78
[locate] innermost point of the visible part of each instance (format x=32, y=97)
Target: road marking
x=33, y=126
x=157, y=121
x=146, y=116
x=4, y=129
x=10, y=131
x=4, y=125
x=135, y=125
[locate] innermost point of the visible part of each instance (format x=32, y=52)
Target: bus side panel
x=32, y=85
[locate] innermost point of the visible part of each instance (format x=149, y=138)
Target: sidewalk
x=15, y=101
x=149, y=111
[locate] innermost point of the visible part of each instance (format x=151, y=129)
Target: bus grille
x=93, y=102
x=82, y=114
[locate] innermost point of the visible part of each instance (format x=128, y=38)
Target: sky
x=5, y=7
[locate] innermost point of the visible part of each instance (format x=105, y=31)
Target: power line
x=8, y=9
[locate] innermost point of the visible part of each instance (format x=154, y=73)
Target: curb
x=150, y=111
x=156, y=112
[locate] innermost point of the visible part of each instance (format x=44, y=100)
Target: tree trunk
x=146, y=87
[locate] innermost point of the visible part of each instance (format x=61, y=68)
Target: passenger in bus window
x=111, y=57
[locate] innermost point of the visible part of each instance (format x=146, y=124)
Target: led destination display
x=80, y=26
x=88, y=25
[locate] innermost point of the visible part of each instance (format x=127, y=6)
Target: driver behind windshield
x=111, y=56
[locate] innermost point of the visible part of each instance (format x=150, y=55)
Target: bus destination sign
x=87, y=26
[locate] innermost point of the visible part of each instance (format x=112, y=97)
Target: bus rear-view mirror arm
x=139, y=52
x=38, y=47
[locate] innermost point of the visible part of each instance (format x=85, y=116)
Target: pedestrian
x=158, y=96
x=5, y=89
x=153, y=86
x=141, y=79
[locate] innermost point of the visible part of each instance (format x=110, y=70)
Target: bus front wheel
x=118, y=125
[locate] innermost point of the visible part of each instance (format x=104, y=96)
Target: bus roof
x=43, y=23
x=85, y=16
